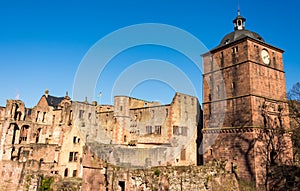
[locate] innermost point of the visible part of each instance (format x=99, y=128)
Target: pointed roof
x=53, y=101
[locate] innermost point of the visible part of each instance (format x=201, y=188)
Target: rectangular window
x=75, y=140
x=44, y=115
x=53, y=119
x=179, y=130
x=235, y=50
x=75, y=156
x=37, y=116
x=274, y=62
x=71, y=157
x=74, y=173
x=184, y=131
x=176, y=130
x=158, y=130
x=71, y=116
x=182, y=154
x=81, y=113
x=149, y=129
x=90, y=116
x=141, y=114
x=222, y=60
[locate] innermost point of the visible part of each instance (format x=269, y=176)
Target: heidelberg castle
x=243, y=91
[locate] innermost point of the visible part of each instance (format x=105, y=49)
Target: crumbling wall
x=211, y=177
x=98, y=175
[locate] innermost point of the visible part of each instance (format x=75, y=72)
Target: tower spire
x=239, y=8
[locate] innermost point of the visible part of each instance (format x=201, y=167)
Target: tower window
x=212, y=65
x=222, y=59
x=235, y=49
x=274, y=61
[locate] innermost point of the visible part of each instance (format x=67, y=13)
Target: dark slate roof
x=53, y=101
x=239, y=34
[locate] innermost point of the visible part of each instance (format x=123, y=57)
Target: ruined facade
x=43, y=138
x=244, y=102
x=143, y=134
x=50, y=137
x=244, y=97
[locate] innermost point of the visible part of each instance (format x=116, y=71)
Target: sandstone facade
x=49, y=138
x=245, y=97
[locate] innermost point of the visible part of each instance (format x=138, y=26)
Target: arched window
x=66, y=172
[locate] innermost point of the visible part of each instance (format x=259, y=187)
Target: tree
x=294, y=107
x=273, y=144
x=280, y=143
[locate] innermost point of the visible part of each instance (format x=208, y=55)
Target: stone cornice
x=243, y=129
x=247, y=61
x=245, y=95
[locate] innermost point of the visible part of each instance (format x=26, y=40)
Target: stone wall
x=98, y=175
x=171, y=178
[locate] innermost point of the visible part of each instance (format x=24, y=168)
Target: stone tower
x=244, y=94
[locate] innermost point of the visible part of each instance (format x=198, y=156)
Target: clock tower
x=244, y=99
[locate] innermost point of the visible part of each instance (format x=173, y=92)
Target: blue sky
x=43, y=42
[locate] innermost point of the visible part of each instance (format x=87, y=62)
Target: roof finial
x=67, y=96
x=239, y=8
x=46, y=93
